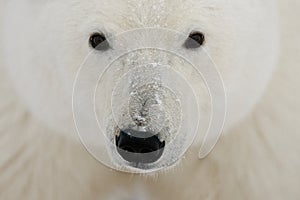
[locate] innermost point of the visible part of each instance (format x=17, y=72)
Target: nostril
x=139, y=147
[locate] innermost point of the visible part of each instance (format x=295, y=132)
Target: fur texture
x=259, y=159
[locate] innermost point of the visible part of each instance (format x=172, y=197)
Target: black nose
x=139, y=147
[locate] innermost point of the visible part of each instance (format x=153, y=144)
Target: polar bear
x=45, y=42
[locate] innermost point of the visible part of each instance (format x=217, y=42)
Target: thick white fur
x=259, y=159
x=54, y=43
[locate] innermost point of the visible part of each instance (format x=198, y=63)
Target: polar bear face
x=58, y=36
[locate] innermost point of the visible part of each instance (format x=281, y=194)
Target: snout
x=139, y=146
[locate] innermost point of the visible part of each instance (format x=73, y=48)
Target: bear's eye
x=98, y=41
x=195, y=40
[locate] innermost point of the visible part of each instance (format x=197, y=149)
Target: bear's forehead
x=155, y=12
x=128, y=14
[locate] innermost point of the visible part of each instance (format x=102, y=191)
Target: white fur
x=257, y=160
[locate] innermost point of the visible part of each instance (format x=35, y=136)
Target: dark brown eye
x=98, y=41
x=195, y=40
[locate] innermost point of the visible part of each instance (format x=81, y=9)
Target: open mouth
x=139, y=147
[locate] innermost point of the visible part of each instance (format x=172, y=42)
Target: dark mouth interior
x=139, y=147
